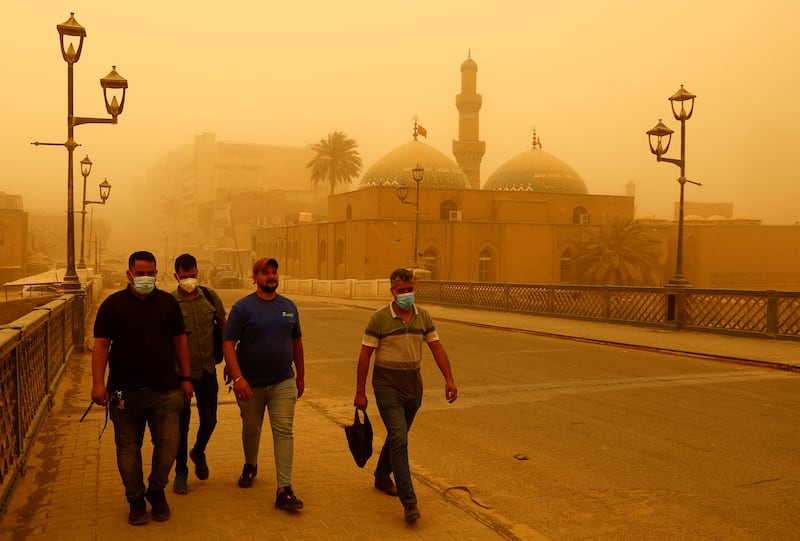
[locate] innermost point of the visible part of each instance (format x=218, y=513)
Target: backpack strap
x=211, y=300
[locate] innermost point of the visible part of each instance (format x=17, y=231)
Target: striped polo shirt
x=398, y=349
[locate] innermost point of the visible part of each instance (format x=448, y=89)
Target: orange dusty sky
x=592, y=77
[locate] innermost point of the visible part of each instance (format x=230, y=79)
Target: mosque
x=230, y=202
x=521, y=226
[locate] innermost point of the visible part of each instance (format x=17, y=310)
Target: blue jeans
x=206, y=390
x=161, y=411
x=279, y=401
x=397, y=413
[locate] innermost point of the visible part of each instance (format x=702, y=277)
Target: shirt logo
x=287, y=314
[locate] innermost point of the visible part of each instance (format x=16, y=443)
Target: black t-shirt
x=141, y=331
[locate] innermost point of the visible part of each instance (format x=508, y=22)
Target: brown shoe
x=386, y=486
x=412, y=513
x=138, y=512
x=159, y=508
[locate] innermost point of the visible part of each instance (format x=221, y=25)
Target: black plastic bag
x=359, y=439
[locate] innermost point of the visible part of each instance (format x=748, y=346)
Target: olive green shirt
x=198, y=318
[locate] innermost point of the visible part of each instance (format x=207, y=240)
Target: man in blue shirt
x=261, y=343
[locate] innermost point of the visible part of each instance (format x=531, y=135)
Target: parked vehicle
x=39, y=290
x=227, y=279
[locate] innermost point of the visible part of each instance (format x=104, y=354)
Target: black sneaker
x=138, y=514
x=159, y=507
x=248, y=473
x=200, y=464
x=287, y=500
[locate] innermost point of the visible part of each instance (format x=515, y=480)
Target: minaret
x=468, y=150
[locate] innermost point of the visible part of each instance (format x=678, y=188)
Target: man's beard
x=268, y=288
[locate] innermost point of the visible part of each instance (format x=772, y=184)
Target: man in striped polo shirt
x=396, y=334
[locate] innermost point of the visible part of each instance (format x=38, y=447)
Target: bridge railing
x=769, y=314
x=34, y=351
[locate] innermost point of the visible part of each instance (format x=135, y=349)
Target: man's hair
x=141, y=255
x=402, y=274
x=185, y=262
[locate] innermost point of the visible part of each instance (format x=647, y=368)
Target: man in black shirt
x=139, y=334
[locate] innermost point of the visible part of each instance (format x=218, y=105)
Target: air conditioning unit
x=585, y=219
x=455, y=215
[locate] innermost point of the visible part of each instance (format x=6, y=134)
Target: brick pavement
x=72, y=490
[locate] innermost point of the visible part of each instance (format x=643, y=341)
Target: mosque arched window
x=322, y=259
x=565, y=269
x=485, y=264
x=338, y=260
x=580, y=216
x=445, y=208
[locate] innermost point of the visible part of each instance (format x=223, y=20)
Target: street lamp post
x=72, y=33
x=659, y=147
x=105, y=191
x=417, y=174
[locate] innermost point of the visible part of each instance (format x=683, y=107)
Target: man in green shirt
x=202, y=310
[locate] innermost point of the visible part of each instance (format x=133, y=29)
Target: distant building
x=13, y=238
x=205, y=193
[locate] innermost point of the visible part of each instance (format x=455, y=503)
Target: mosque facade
x=522, y=226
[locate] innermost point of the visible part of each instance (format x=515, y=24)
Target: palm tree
x=621, y=253
x=337, y=161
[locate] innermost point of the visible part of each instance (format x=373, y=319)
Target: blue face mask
x=405, y=300
x=144, y=285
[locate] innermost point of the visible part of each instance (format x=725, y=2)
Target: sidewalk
x=72, y=489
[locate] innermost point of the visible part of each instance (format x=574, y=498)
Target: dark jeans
x=397, y=413
x=160, y=410
x=206, y=390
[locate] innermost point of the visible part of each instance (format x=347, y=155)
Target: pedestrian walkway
x=72, y=489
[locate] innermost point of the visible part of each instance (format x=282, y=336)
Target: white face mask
x=188, y=284
x=144, y=285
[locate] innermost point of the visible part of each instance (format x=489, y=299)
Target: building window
x=445, y=208
x=349, y=213
x=322, y=260
x=485, y=266
x=566, y=266
x=338, y=261
x=580, y=216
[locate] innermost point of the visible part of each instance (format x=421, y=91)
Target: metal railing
x=768, y=314
x=34, y=351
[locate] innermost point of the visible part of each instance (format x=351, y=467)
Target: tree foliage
x=621, y=253
x=337, y=160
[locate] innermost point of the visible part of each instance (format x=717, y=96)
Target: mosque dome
x=536, y=171
x=394, y=168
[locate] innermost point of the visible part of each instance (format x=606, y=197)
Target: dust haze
x=591, y=77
